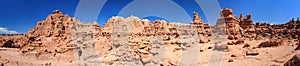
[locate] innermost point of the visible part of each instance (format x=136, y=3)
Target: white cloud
x=178, y=23
x=6, y=31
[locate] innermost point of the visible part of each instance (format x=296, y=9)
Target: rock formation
x=203, y=30
x=230, y=23
x=135, y=41
x=272, y=43
x=295, y=61
x=246, y=23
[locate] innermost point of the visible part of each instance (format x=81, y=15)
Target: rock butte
x=62, y=40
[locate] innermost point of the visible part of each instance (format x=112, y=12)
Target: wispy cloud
x=178, y=23
x=6, y=31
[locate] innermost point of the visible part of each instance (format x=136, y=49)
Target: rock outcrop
x=229, y=21
x=135, y=41
x=295, y=61
x=272, y=43
x=246, y=23
x=203, y=30
x=52, y=35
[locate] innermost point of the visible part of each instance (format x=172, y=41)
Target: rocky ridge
x=135, y=41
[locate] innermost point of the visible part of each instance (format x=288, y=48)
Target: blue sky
x=22, y=15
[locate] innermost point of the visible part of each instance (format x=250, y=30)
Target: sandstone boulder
x=271, y=43
x=252, y=53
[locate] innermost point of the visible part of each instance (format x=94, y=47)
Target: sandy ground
x=268, y=56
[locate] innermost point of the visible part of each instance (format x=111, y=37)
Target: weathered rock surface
x=135, y=41
x=295, y=61
x=272, y=43
x=229, y=21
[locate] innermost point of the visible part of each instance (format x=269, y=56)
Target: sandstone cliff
x=135, y=41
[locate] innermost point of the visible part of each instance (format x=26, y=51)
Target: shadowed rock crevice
x=8, y=44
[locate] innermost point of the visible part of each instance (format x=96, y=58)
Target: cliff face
x=138, y=41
